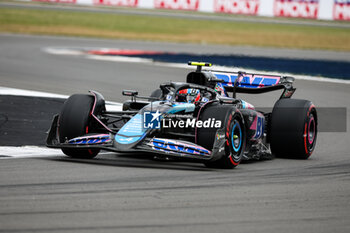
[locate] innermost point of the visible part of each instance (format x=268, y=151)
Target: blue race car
x=196, y=120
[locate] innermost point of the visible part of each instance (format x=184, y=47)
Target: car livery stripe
x=93, y=139
x=168, y=145
x=132, y=131
x=248, y=80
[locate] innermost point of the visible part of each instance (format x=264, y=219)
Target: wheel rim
x=311, y=130
x=236, y=137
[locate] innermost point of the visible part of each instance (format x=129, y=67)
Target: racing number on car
x=259, y=127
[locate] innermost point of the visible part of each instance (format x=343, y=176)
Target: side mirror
x=130, y=93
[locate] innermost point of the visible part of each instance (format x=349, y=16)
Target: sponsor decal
x=133, y=127
x=247, y=7
x=220, y=89
x=220, y=136
x=132, y=131
x=288, y=93
x=296, y=8
x=151, y=120
x=177, y=4
x=341, y=10
x=221, y=149
x=95, y=139
x=258, y=126
x=179, y=107
x=127, y=140
x=168, y=145
x=246, y=105
x=191, y=123
x=131, y=3
x=56, y=1
x=248, y=80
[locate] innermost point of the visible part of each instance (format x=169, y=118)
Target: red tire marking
x=306, y=135
x=232, y=161
x=305, y=144
x=312, y=120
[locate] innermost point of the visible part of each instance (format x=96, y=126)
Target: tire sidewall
x=75, y=121
x=234, y=123
x=290, y=127
x=310, y=127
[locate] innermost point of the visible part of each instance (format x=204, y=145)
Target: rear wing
x=247, y=80
x=251, y=83
x=242, y=82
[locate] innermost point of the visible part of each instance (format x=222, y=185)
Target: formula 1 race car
x=195, y=120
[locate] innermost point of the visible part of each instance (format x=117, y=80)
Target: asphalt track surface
x=118, y=193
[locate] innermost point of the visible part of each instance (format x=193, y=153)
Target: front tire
x=74, y=122
x=293, y=130
x=235, y=136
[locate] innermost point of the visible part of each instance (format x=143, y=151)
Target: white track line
x=8, y=152
x=22, y=152
x=21, y=92
x=110, y=106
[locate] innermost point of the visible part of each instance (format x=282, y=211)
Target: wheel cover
x=311, y=130
x=236, y=137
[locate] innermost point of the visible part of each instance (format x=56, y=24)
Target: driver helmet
x=189, y=95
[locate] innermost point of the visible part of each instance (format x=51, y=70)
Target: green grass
x=57, y=22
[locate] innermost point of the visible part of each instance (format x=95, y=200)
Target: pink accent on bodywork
x=255, y=122
x=92, y=110
x=240, y=77
x=252, y=77
x=312, y=121
x=249, y=79
x=249, y=106
x=277, y=78
x=177, y=143
x=92, y=136
x=253, y=126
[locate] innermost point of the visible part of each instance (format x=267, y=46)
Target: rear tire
x=235, y=136
x=293, y=130
x=74, y=122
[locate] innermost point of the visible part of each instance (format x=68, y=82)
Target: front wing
x=160, y=146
